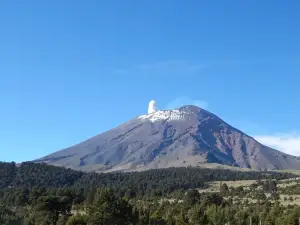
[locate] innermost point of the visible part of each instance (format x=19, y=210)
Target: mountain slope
x=188, y=136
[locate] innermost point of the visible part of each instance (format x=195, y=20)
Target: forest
x=39, y=194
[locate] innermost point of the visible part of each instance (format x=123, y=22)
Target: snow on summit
x=154, y=114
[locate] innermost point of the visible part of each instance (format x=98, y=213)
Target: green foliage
x=192, y=197
x=50, y=210
x=8, y=172
x=107, y=209
x=216, y=215
x=224, y=190
x=78, y=220
x=275, y=196
x=292, y=189
x=37, y=194
x=197, y=215
x=136, y=184
x=7, y=216
x=212, y=199
x=260, y=195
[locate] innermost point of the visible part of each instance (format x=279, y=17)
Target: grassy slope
x=220, y=166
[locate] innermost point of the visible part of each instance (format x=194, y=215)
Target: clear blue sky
x=71, y=69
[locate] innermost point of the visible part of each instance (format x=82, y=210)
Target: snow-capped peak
x=174, y=114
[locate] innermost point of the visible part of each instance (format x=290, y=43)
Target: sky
x=71, y=69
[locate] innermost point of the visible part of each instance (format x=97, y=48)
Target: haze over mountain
x=187, y=136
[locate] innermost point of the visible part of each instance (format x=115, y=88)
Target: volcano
x=187, y=136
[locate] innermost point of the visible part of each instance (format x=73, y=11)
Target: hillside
x=32, y=175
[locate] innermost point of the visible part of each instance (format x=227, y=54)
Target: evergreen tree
x=107, y=209
x=224, y=190
x=192, y=197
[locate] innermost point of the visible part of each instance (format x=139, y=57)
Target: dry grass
x=296, y=200
x=283, y=185
x=215, y=185
x=221, y=166
x=297, y=172
x=172, y=200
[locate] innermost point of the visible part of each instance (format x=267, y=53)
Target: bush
x=275, y=196
x=78, y=219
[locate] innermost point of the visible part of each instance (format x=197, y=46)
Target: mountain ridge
x=187, y=136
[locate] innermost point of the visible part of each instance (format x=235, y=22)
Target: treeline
x=136, y=184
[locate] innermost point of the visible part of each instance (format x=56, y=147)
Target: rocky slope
x=188, y=136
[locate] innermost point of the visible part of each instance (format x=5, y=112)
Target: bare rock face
x=188, y=136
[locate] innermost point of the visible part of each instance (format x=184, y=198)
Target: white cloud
x=288, y=143
x=181, y=101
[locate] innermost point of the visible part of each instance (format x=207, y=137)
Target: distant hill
x=32, y=175
x=188, y=136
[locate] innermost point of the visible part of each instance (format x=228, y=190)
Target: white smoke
x=152, y=107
